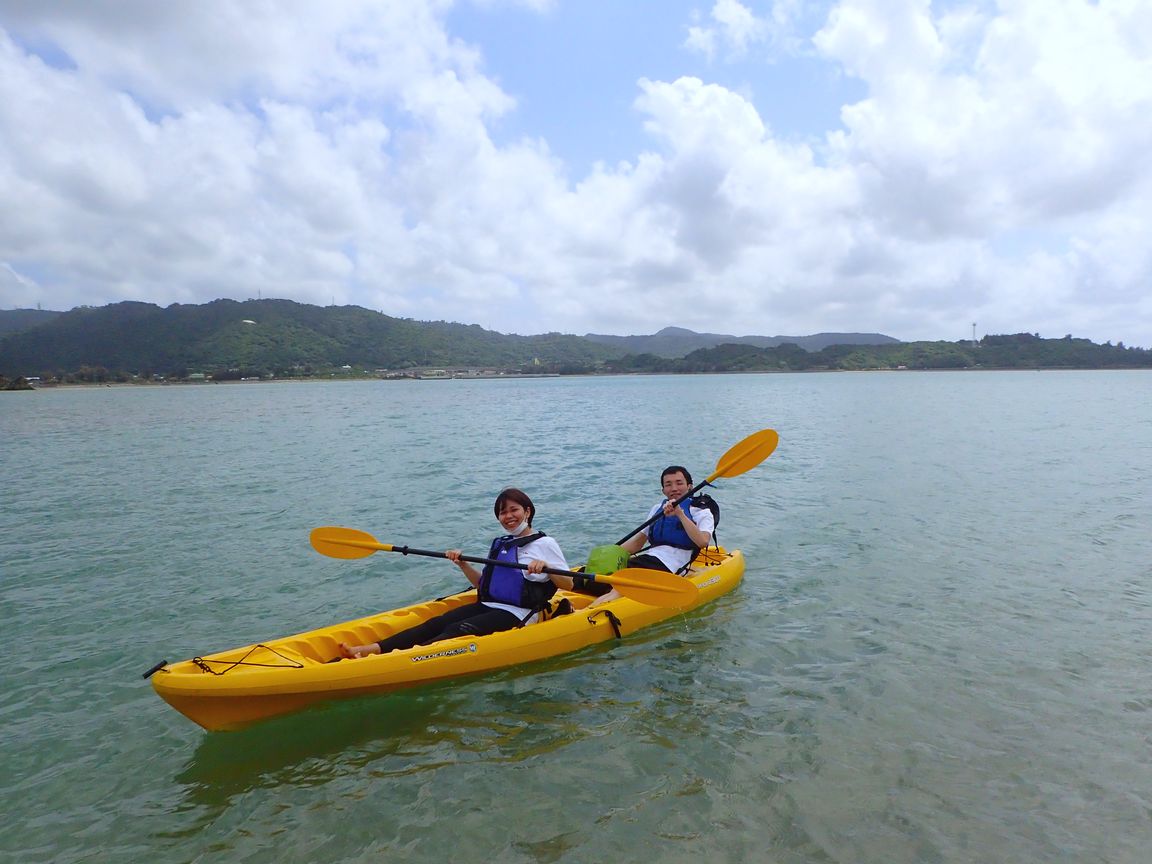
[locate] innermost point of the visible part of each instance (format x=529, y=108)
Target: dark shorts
x=648, y=562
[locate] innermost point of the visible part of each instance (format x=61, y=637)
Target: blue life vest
x=503, y=584
x=667, y=530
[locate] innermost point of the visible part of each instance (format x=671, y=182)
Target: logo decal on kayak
x=469, y=649
x=708, y=582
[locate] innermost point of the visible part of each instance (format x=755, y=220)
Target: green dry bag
x=605, y=560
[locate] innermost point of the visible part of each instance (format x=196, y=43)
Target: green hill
x=1017, y=351
x=672, y=342
x=230, y=339
x=15, y=320
x=270, y=337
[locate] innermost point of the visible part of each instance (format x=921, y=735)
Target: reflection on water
x=303, y=748
x=496, y=718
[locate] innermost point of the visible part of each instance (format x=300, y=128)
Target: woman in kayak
x=507, y=597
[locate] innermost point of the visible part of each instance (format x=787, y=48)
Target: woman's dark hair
x=518, y=497
x=675, y=469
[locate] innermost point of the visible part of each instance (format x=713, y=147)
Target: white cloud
x=740, y=27
x=15, y=282
x=535, y=5
x=701, y=40
x=1038, y=135
x=994, y=171
x=734, y=29
x=174, y=55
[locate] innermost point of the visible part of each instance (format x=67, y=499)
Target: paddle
x=741, y=457
x=651, y=587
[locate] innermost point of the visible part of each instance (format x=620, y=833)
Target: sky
x=921, y=169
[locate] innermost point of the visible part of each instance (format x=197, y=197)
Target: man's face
x=675, y=486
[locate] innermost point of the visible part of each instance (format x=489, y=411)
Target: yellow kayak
x=235, y=688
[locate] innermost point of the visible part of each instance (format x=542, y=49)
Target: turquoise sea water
x=941, y=651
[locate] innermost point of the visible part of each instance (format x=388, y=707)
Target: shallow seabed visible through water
x=940, y=652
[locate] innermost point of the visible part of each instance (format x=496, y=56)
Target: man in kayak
x=676, y=537
x=507, y=597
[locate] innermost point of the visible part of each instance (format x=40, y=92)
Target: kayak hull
x=235, y=688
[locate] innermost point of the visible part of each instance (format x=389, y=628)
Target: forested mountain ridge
x=15, y=320
x=1015, y=351
x=281, y=338
x=270, y=336
x=674, y=342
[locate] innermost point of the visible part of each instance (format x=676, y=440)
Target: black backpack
x=708, y=502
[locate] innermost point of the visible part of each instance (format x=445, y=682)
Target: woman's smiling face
x=511, y=515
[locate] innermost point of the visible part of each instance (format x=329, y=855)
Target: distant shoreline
x=513, y=377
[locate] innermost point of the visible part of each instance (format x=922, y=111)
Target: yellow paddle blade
x=345, y=542
x=652, y=587
x=747, y=454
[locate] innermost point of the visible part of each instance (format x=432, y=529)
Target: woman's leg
x=473, y=619
x=421, y=634
x=486, y=621
x=431, y=630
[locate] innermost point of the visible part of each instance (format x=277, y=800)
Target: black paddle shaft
x=471, y=559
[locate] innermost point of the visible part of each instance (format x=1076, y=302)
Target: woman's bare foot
x=604, y=598
x=355, y=652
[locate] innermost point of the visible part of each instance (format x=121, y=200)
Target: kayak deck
x=231, y=689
